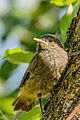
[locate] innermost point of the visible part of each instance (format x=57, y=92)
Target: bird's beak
x=40, y=41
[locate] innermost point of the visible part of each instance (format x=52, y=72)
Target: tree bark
x=66, y=95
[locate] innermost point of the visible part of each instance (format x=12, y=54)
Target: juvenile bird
x=43, y=72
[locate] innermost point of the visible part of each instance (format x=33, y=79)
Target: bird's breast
x=54, y=62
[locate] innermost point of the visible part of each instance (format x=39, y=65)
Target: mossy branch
x=66, y=95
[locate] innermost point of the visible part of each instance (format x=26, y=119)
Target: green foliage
x=34, y=114
x=62, y=2
x=6, y=108
x=2, y=116
x=17, y=55
x=6, y=71
x=13, y=94
x=25, y=24
x=6, y=104
x=66, y=20
x=9, y=116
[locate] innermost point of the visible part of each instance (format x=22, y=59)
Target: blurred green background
x=20, y=22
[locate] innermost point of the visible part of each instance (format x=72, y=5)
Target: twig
x=73, y=112
x=17, y=115
x=3, y=116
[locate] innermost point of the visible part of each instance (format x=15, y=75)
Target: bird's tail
x=21, y=104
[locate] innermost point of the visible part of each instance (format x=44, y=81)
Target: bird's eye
x=50, y=40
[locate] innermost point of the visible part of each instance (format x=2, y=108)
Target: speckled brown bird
x=43, y=72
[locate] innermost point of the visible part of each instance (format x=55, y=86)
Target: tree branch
x=66, y=94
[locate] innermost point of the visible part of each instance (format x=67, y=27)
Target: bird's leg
x=39, y=98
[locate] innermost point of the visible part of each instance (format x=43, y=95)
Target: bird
x=43, y=72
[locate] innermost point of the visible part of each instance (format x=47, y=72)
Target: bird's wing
x=31, y=68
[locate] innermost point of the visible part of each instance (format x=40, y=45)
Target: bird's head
x=48, y=41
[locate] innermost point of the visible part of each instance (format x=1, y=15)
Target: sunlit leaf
x=6, y=107
x=17, y=55
x=66, y=20
x=6, y=104
x=34, y=114
x=62, y=2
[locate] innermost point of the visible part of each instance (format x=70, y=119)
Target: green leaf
x=62, y=2
x=66, y=20
x=6, y=105
x=34, y=114
x=6, y=68
x=17, y=55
